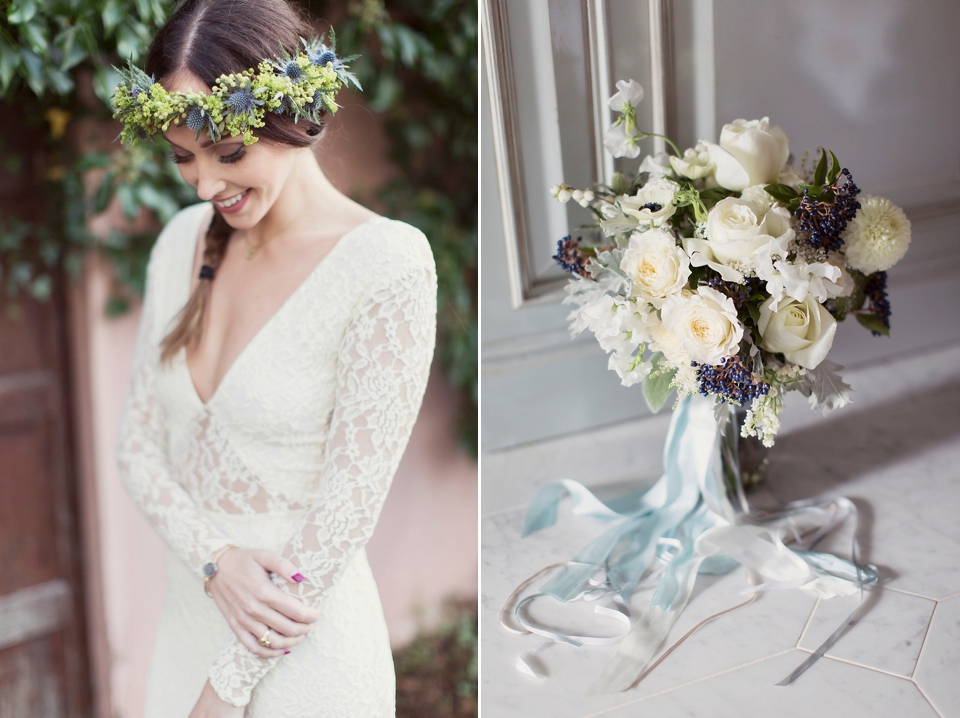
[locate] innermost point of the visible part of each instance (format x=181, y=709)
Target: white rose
x=750, y=152
x=694, y=164
x=877, y=237
x=802, y=331
x=756, y=194
x=741, y=238
x=705, y=322
x=652, y=204
x=657, y=267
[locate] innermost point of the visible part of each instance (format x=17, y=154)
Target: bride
x=281, y=359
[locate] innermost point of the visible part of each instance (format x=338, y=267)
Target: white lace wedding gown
x=294, y=452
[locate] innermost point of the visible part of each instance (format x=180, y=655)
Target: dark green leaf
x=820, y=176
x=873, y=323
x=104, y=193
x=754, y=310
x=69, y=44
x=783, y=193
x=834, y=169
x=656, y=387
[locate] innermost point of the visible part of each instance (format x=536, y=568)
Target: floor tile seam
x=909, y=593
x=927, y=698
x=803, y=631
x=926, y=633
x=947, y=598
x=860, y=665
x=694, y=682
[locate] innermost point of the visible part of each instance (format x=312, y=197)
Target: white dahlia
x=877, y=237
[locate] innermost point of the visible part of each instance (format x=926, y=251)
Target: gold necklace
x=252, y=250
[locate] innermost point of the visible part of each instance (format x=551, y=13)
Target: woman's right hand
x=252, y=603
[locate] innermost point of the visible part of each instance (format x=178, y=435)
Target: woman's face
x=243, y=182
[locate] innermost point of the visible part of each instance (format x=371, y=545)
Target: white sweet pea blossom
x=877, y=237
x=750, y=152
x=798, y=279
x=802, y=330
x=629, y=95
x=694, y=164
x=620, y=143
x=656, y=266
x=705, y=322
x=615, y=322
x=656, y=166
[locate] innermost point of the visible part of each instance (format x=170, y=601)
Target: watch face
x=209, y=569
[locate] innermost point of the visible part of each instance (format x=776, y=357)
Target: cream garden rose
x=802, y=331
x=705, y=322
x=657, y=267
x=741, y=238
x=750, y=152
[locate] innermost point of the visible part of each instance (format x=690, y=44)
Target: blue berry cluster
x=739, y=293
x=823, y=222
x=570, y=257
x=876, y=291
x=730, y=380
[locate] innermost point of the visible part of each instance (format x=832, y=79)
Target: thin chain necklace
x=251, y=249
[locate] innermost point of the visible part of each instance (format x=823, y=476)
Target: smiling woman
x=283, y=352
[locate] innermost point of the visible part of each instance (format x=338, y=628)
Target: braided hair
x=210, y=38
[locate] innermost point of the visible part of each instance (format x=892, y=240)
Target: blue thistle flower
x=322, y=58
x=136, y=91
x=317, y=103
x=241, y=101
x=197, y=119
x=283, y=107
x=293, y=71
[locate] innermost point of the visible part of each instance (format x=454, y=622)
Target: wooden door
x=44, y=664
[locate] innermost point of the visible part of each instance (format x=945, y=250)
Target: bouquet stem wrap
x=680, y=527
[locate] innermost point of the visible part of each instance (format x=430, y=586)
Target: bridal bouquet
x=724, y=270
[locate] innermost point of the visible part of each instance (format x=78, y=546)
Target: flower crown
x=301, y=85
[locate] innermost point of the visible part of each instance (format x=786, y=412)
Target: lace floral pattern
x=306, y=429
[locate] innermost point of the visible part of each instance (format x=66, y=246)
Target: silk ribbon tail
x=824, y=647
x=525, y=664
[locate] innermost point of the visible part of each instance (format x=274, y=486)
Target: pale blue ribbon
x=661, y=526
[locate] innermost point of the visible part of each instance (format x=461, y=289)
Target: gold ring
x=263, y=640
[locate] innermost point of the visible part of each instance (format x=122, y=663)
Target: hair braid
x=191, y=318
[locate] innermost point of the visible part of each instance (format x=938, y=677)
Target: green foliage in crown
x=301, y=85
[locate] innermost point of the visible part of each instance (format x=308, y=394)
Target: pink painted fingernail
x=298, y=577
x=286, y=652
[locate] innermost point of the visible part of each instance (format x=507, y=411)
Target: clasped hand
x=252, y=604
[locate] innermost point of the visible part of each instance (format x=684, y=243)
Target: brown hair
x=210, y=38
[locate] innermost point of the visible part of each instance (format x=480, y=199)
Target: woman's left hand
x=211, y=705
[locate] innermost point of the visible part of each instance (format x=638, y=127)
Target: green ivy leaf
x=36, y=80
x=35, y=33
x=9, y=61
x=113, y=13
x=656, y=387
x=873, y=323
x=128, y=201
x=21, y=12
x=68, y=43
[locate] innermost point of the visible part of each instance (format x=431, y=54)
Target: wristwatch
x=210, y=568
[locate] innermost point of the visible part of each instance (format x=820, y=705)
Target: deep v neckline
x=288, y=301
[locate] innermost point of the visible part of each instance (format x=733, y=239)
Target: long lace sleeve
x=142, y=456
x=384, y=362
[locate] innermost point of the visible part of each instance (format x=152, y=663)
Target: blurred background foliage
x=419, y=69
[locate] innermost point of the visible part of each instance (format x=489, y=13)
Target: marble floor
x=899, y=462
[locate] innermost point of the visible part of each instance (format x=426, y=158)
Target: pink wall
x=425, y=546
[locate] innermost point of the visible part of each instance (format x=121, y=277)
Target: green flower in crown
x=302, y=85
